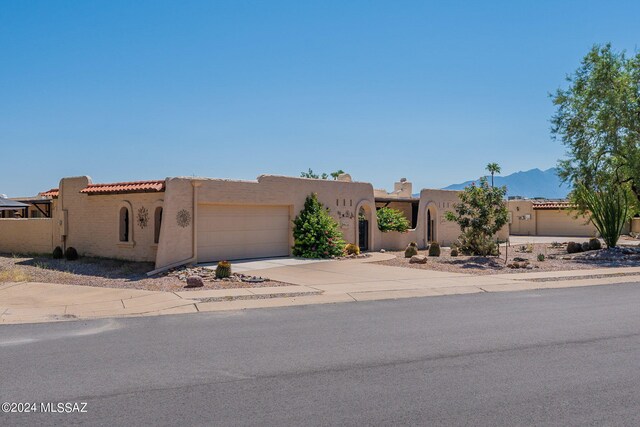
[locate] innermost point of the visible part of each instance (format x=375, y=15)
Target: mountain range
x=529, y=184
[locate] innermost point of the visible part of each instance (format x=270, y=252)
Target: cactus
x=454, y=252
x=573, y=247
x=57, y=253
x=434, y=249
x=411, y=250
x=540, y=257
x=352, y=249
x=585, y=246
x=223, y=270
x=594, y=244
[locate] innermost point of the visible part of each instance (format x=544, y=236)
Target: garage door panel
x=237, y=232
x=562, y=223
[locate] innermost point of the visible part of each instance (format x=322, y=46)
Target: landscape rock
x=194, y=282
x=418, y=259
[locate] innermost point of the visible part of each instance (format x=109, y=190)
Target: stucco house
x=186, y=220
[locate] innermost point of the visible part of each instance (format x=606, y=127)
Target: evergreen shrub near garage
x=315, y=232
x=57, y=253
x=71, y=254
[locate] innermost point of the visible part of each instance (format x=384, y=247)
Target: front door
x=363, y=234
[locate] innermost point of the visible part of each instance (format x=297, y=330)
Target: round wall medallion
x=183, y=218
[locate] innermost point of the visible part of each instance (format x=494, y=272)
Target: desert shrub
x=540, y=257
x=57, y=253
x=71, y=254
x=223, y=270
x=454, y=252
x=471, y=243
x=585, y=246
x=480, y=214
x=315, y=232
x=352, y=249
x=594, y=244
x=573, y=247
x=412, y=249
x=434, y=249
x=391, y=220
x=608, y=207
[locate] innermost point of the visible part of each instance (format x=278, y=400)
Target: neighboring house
x=185, y=220
x=547, y=218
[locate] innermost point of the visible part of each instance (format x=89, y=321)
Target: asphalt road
x=553, y=357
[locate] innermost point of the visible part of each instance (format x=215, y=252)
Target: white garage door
x=240, y=232
x=562, y=223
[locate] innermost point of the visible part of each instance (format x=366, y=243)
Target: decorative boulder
x=194, y=282
x=418, y=259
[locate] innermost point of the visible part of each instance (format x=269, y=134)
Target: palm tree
x=493, y=168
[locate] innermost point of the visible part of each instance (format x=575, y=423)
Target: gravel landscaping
x=108, y=273
x=523, y=258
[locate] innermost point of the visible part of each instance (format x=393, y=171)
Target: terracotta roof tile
x=50, y=193
x=553, y=205
x=125, y=187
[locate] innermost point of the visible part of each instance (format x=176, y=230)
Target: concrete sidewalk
x=311, y=283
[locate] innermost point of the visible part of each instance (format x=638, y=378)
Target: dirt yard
x=556, y=258
x=105, y=273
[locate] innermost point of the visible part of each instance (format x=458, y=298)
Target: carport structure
x=12, y=206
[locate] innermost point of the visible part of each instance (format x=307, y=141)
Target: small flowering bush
x=315, y=232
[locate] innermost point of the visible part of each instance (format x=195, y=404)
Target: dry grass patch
x=13, y=275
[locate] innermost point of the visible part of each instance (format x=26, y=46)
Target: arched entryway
x=363, y=236
x=432, y=235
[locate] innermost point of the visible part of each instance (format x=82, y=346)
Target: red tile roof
x=51, y=193
x=125, y=187
x=553, y=205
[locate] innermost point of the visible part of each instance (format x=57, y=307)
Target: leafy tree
x=598, y=119
x=311, y=174
x=336, y=174
x=315, y=232
x=480, y=214
x=608, y=209
x=391, y=220
x=493, y=168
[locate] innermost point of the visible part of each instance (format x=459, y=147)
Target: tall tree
x=493, y=169
x=311, y=174
x=598, y=119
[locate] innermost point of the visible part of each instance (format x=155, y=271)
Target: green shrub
x=315, y=232
x=57, y=253
x=481, y=213
x=411, y=250
x=540, y=257
x=573, y=247
x=391, y=220
x=434, y=249
x=454, y=252
x=352, y=249
x=223, y=270
x=472, y=243
x=71, y=254
x=594, y=244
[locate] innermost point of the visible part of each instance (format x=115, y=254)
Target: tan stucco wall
x=518, y=211
x=177, y=244
x=29, y=235
x=559, y=222
x=93, y=222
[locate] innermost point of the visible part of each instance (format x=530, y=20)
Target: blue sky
x=431, y=91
